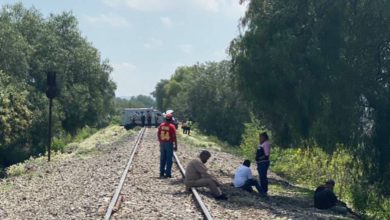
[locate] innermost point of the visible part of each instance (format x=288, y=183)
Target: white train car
x=132, y=116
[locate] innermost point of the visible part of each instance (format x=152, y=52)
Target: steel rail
x=205, y=211
x=124, y=175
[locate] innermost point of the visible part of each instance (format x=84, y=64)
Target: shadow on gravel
x=176, y=182
x=284, y=200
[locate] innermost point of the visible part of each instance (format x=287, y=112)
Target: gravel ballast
x=73, y=188
x=81, y=187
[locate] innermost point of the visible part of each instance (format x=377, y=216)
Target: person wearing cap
x=324, y=198
x=166, y=135
x=197, y=176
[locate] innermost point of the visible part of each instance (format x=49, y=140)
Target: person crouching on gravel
x=197, y=176
x=324, y=198
x=243, y=178
x=167, y=136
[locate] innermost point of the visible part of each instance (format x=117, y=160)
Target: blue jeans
x=262, y=168
x=166, y=154
x=249, y=183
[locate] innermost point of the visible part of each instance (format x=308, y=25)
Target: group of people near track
x=197, y=174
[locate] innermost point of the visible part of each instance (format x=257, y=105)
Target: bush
x=60, y=143
x=16, y=170
x=310, y=166
x=250, y=138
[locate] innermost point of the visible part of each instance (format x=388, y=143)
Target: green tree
x=206, y=93
x=15, y=115
x=33, y=45
x=318, y=70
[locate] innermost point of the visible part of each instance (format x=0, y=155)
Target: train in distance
x=133, y=116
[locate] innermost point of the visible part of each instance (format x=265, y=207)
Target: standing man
x=167, y=136
x=262, y=159
x=149, y=119
x=143, y=119
x=189, y=124
x=156, y=120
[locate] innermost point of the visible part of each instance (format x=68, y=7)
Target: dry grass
x=85, y=149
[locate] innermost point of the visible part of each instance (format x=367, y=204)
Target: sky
x=146, y=40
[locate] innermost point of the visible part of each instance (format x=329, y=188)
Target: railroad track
x=116, y=199
x=203, y=207
x=118, y=190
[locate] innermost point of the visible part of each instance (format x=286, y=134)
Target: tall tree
x=206, y=93
x=33, y=45
x=318, y=70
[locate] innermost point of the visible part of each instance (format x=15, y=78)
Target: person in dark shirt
x=143, y=119
x=149, y=119
x=324, y=198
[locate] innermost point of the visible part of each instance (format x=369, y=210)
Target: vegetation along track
x=143, y=195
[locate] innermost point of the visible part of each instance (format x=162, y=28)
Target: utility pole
x=50, y=93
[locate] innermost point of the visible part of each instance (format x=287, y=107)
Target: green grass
x=198, y=140
x=16, y=170
x=85, y=149
x=6, y=187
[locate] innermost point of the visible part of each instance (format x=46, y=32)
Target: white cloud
x=153, y=43
x=208, y=5
x=124, y=67
x=226, y=7
x=110, y=19
x=141, y=5
x=186, y=48
x=166, y=21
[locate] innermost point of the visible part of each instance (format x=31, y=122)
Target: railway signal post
x=50, y=93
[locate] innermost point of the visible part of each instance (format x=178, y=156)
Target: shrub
x=16, y=170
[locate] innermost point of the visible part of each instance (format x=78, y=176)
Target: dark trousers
x=262, y=168
x=166, y=154
x=249, y=183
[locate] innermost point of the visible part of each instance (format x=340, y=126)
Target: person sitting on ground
x=324, y=198
x=243, y=178
x=197, y=176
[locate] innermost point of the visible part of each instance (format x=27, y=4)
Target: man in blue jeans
x=167, y=136
x=262, y=159
x=243, y=178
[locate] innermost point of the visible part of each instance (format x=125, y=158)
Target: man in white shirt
x=243, y=178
